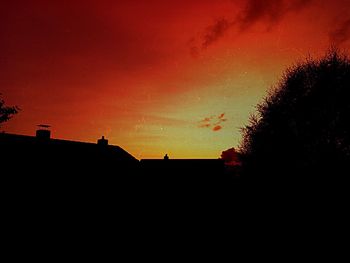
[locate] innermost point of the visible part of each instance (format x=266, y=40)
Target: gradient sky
x=155, y=76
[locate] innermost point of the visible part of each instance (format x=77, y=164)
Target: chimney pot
x=43, y=132
x=102, y=141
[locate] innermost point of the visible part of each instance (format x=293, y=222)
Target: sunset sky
x=155, y=76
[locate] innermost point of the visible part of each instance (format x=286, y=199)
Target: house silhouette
x=45, y=160
x=42, y=154
x=51, y=170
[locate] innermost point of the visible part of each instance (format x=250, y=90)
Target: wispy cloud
x=217, y=128
x=213, y=122
x=204, y=125
x=270, y=12
x=209, y=36
x=206, y=122
x=215, y=31
x=221, y=116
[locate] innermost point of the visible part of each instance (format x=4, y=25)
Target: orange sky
x=155, y=76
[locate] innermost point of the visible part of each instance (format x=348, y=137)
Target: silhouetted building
x=51, y=171
x=43, y=154
x=53, y=159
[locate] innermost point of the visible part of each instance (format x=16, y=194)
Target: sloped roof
x=63, y=147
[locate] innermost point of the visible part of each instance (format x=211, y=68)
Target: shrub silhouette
x=301, y=129
x=6, y=112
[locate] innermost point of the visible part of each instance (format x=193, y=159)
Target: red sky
x=155, y=76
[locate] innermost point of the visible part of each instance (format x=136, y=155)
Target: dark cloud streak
x=269, y=12
x=215, y=31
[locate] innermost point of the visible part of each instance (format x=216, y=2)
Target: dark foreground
x=89, y=211
x=59, y=196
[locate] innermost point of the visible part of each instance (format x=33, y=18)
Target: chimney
x=43, y=132
x=102, y=141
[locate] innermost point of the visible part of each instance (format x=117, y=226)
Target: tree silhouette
x=231, y=157
x=6, y=112
x=302, y=128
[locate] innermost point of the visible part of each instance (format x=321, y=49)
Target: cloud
x=206, y=122
x=217, y=128
x=209, y=36
x=204, y=125
x=208, y=118
x=215, y=31
x=341, y=32
x=256, y=10
x=213, y=122
x=221, y=117
x=269, y=12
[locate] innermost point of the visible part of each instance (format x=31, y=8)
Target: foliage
x=231, y=157
x=6, y=112
x=302, y=126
